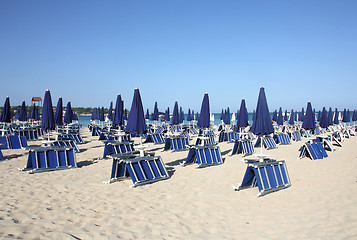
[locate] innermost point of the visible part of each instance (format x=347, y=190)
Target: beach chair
x=244, y=146
x=156, y=138
x=176, y=143
x=282, y=139
x=42, y=159
x=268, y=142
x=296, y=136
x=13, y=142
x=229, y=136
x=268, y=176
x=1, y=156
x=313, y=150
x=66, y=143
x=141, y=170
x=71, y=136
x=206, y=139
x=326, y=143
x=204, y=156
x=115, y=147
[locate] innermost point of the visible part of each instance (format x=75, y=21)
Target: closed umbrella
x=204, y=118
x=48, y=120
x=22, y=114
x=59, y=113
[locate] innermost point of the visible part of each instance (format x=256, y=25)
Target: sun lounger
x=156, y=138
x=142, y=170
x=229, y=136
x=268, y=176
x=268, y=142
x=244, y=147
x=282, y=139
x=313, y=150
x=13, y=142
x=296, y=136
x=50, y=158
x=204, y=156
x=115, y=147
x=176, y=143
x=74, y=136
x=66, y=143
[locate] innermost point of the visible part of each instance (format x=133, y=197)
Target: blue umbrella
x=175, y=115
x=6, y=112
x=29, y=115
x=280, y=120
x=48, y=120
x=302, y=115
x=286, y=115
x=68, y=116
x=125, y=115
x=262, y=124
x=292, y=117
x=313, y=114
x=101, y=114
x=167, y=115
x=22, y=114
x=188, y=118
x=17, y=114
x=59, y=113
x=74, y=116
x=227, y=117
x=147, y=115
x=37, y=114
x=346, y=116
x=136, y=121
x=319, y=116
x=323, y=118
x=118, y=112
x=110, y=113
x=222, y=115
x=354, y=116
x=204, y=118
x=182, y=115
x=330, y=117
x=253, y=115
x=242, y=117
x=309, y=119
x=335, y=119
x=156, y=113
x=275, y=116
x=193, y=115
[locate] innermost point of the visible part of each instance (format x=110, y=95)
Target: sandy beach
x=192, y=204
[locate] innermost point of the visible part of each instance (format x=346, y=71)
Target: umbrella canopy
x=275, y=116
x=147, y=115
x=59, y=113
x=323, y=118
x=292, y=117
x=167, y=115
x=22, y=114
x=182, y=115
x=227, y=116
x=68, y=116
x=110, y=113
x=262, y=124
x=222, y=115
x=175, y=115
x=156, y=112
x=204, y=118
x=335, y=119
x=118, y=112
x=354, y=116
x=302, y=115
x=101, y=114
x=280, y=120
x=330, y=117
x=242, y=117
x=309, y=119
x=37, y=114
x=6, y=111
x=188, y=118
x=286, y=115
x=48, y=120
x=136, y=121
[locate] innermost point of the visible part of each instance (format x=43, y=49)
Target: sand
x=193, y=204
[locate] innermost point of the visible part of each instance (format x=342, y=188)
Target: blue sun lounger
x=326, y=143
x=268, y=176
x=282, y=139
x=13, y=142
x=268, y=142
x=1, y=156
x=176, y=143
x=228, y=136
x=156, y=138
x=244, y=147
x=204, y=156
x=313, y=150
x=50, y=158
x=206, y=142
x=296, y=136
x=66, y=143
x=115, y=147
x=71, y=136
x=142, y=170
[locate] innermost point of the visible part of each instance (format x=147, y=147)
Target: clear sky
x=176, y=50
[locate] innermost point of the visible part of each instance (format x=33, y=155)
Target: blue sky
x=89, y=51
